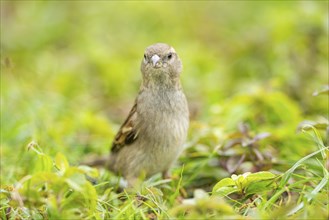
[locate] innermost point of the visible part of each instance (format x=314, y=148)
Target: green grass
x=255, y=75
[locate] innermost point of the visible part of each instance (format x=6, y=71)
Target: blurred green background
x=70, y=70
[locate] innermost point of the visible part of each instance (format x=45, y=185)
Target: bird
x=152, y=137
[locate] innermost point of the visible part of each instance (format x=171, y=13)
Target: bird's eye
x=144, y=56
x=169, y=56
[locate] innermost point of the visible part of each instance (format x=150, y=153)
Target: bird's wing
x=127, y=133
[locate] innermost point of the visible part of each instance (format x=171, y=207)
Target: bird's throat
x=161, y=82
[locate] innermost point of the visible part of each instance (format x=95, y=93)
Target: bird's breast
x=163, y=118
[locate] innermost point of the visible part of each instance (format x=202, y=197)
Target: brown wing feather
x=127, y=133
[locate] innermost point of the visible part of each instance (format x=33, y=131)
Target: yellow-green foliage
x=256, y=77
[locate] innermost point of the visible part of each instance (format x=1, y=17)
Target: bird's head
x=161, y=64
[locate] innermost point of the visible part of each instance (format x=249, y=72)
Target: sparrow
x=151, y=138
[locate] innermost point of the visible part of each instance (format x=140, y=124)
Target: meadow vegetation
x=256, y=77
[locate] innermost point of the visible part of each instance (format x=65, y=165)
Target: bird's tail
x=99, y=161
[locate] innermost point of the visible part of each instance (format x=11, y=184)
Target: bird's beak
x=155, y=58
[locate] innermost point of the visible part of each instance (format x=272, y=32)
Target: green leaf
x=75, y=178
x=225, y=190
x=260, y=187
x=223, y=183
x=259, y=182
x=44, y=163
x=263, y=175
x=241, y=180
x=89, y=171
x=248, y=183
x=61, y=162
